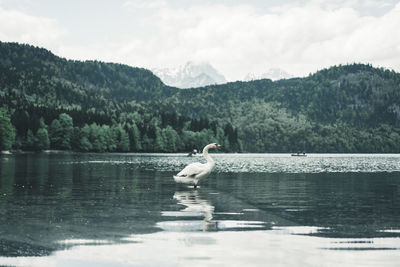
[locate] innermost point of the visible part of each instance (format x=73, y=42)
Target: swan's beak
x=218, y=146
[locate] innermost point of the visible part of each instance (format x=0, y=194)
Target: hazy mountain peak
x=272, y=73
x=191, y=74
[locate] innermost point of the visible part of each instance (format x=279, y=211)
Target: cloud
x=235, y=39
x=145, y=4
x=376, y=3
x=360, y=5
x=16, y=26
x=241, y=39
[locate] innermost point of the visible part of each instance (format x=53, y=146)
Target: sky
x=235, y=37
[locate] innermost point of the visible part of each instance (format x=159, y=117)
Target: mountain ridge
x=272, y=74
x=349, y=108
x=190, y=75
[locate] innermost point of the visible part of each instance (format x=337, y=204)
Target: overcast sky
x=236, y=37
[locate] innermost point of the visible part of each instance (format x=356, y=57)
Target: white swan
x=195, y=172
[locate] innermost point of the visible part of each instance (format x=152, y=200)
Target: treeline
x=352, y=108
x=276, y=129
x=349, y=108
x=7, y=131
x=137, y=133
x=356, y=94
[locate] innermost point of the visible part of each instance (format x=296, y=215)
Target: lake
x=71, y=209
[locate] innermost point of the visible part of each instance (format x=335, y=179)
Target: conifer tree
x=56, y=134
x=135, y=140
x=67, y=127
x=30, y=140
x=7, y=131
x=123, y=140
x=159, y=145
x=84, y=143
x=42, y=139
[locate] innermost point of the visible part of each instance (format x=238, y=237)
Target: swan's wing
x=192, y=170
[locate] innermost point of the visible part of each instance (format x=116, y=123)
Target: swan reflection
x=196, y=205
x=199, y=214
x=195, y=202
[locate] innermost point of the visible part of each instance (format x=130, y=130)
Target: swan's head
x=215, y=145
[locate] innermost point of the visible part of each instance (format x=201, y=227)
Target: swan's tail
x=184, y=180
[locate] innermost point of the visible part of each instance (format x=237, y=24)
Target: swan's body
x=194, y=172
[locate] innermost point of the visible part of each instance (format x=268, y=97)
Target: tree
x=42, y=136
x=83, y=143
x=159, y=145
x=97, y=138
x=7, y=131
x=172, y=139
x=30, y=140
x=123, y=139
x=67, y=128
x=110, y=138
x=61, y=131
x=42, y=139
x=134, y=138
x=147, y=143
x=56, y=134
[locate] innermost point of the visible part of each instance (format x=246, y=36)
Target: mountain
x=349, y=108
x=91, y=106
x=60, y=83
x=190, y=75
x=272, y=74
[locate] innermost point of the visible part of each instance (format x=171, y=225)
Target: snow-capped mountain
x=190, y=75
x=273, y=74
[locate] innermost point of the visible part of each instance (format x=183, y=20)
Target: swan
x=194, y=172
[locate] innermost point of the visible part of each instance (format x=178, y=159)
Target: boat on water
x=193, y=153
x=298, y=154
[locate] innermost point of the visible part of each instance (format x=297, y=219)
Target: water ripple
x=262, y=163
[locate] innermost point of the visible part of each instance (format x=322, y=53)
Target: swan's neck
x=206, y=155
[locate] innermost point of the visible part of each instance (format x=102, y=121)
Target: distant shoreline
x=8, y=152
x=50, y=151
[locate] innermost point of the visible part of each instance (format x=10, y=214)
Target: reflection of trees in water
x=7, y=170
x=53, y=197
x=344, y=204
x=196, y=201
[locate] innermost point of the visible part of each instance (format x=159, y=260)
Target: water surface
x=271, y=209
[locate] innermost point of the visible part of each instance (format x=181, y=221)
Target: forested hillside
x=352, y=108
x=94, y=106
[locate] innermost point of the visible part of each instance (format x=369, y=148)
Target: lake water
x=254, y=210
